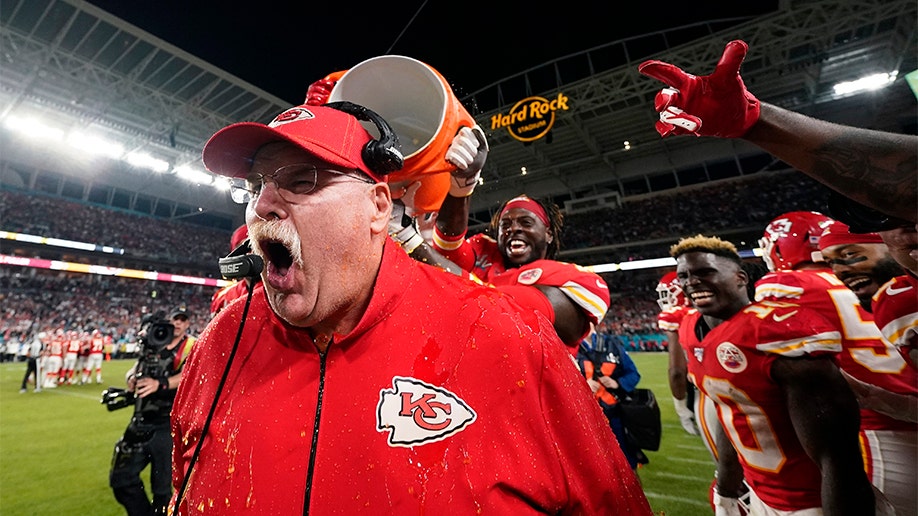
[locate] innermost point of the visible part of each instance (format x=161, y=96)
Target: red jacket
x=445, y=399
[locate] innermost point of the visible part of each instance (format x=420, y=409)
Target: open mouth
x=278, y=257
x=517, y=247
x=857, y=283
x=702, y=297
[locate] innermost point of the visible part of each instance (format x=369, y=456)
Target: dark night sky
x=282, y=47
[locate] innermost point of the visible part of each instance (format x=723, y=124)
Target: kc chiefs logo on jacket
x=416, y=413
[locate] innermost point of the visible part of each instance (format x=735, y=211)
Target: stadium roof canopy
x=68, y=68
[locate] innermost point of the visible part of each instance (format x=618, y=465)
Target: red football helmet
x=792, y=239
x=670, y=292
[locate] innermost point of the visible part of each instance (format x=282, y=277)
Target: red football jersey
x=56, y=347
x=480, y=256
x=867, y=356
x=587, y=289
x=97, y=345
x=732, y=365
x=73, y=345
x=895, y=311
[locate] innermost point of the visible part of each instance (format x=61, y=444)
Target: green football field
x=56, y=447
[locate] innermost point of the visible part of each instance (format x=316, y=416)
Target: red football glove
x=318, y=92
x=710, y=105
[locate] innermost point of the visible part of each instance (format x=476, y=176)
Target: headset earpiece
x=383, y=156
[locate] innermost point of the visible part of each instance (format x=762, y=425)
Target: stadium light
x=871, y=82
x=143, y=160
x=95, y=145
x=34, y=128
x=193, y=175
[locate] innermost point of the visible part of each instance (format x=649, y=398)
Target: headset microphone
x=240, y=263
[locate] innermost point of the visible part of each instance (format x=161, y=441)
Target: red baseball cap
x=327, y=133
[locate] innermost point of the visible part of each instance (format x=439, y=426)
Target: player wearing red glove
x=877, y=169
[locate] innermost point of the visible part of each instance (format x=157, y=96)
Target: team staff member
x=147, y=439
x=611, y=374
x=790, y=420
x=427, y=428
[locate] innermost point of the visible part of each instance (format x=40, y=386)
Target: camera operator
x=151, y=386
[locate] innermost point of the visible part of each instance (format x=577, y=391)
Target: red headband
x=838, y=233
x=527, y=204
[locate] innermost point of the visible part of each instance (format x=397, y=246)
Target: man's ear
x=742, y=276
x=382, y=201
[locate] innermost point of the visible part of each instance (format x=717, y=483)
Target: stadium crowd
x=34, y=299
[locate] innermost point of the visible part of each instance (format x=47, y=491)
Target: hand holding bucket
x=421, y=108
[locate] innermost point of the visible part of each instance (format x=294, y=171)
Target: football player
x=799, y=274
x=861, y=260
x=769, y=366
x=672, y=309
x=522, y=262
x=866, y=265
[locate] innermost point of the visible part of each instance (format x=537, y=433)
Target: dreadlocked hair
x=555, y=223
x=706, y=244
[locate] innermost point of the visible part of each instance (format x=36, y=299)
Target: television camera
x=156, y=332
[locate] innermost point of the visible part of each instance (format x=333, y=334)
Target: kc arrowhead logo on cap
x=292, y=115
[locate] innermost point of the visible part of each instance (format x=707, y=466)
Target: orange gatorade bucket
x=423, y=111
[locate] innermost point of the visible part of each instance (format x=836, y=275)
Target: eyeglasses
x=294, y=182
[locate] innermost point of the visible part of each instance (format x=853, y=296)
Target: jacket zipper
x=315, y=432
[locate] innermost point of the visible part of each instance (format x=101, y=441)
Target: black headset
x=241, y=263
x=384, y=155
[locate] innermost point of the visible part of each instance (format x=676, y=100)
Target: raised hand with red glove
x=468, y=152
x=710, y=105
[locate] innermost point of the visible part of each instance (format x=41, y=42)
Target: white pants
x=891, y=464
x=93, y=363
x=52, y=370
x=70, y=360
x=758, y=508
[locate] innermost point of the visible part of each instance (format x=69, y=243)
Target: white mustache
x=276, y=231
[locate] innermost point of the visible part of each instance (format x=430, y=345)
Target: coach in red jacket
x=365, y=382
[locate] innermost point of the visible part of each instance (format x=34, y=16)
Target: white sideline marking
x=63, y=391
x=691, y=446
x=690, y=461
x=705, y=481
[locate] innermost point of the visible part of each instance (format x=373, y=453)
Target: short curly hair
x=706, y=244
x=555, y=223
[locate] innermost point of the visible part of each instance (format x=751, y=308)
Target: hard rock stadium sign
x=530, y=118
